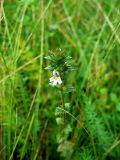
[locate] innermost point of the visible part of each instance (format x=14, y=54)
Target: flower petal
x=59, y=81
x=51, y=79
x=54, y=72
x=54, y=83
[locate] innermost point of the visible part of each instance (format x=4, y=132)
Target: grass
x=89, y=32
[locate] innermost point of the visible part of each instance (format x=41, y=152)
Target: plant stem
x=63, y=104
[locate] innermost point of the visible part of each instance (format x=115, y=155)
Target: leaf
x=67, y=106
x=59, y=112
x=59, y=121
x=69, y=89
x=48, y=68
x=118, y=106
x=113, y=97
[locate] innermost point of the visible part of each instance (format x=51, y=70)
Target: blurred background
x=89, y=32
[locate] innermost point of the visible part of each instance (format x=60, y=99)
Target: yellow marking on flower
x=56, y=78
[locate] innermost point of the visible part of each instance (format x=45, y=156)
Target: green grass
x=89, y=32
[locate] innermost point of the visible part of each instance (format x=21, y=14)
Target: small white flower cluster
x=55, y=79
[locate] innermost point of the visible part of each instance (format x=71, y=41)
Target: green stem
x=63, y=104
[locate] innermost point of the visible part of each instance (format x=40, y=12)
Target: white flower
x=55, y=79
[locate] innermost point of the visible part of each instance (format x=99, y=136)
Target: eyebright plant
x=60, y=67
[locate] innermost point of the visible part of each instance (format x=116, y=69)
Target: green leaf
x=59, y=121
x=59, y=112
x=67, y=106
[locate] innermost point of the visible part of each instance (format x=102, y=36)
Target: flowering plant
x=60, y=67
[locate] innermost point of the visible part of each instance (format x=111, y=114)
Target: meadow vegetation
x=81, y=120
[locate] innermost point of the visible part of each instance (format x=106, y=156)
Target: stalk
x=63, y=104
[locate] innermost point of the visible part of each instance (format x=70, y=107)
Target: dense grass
x=89, y=32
